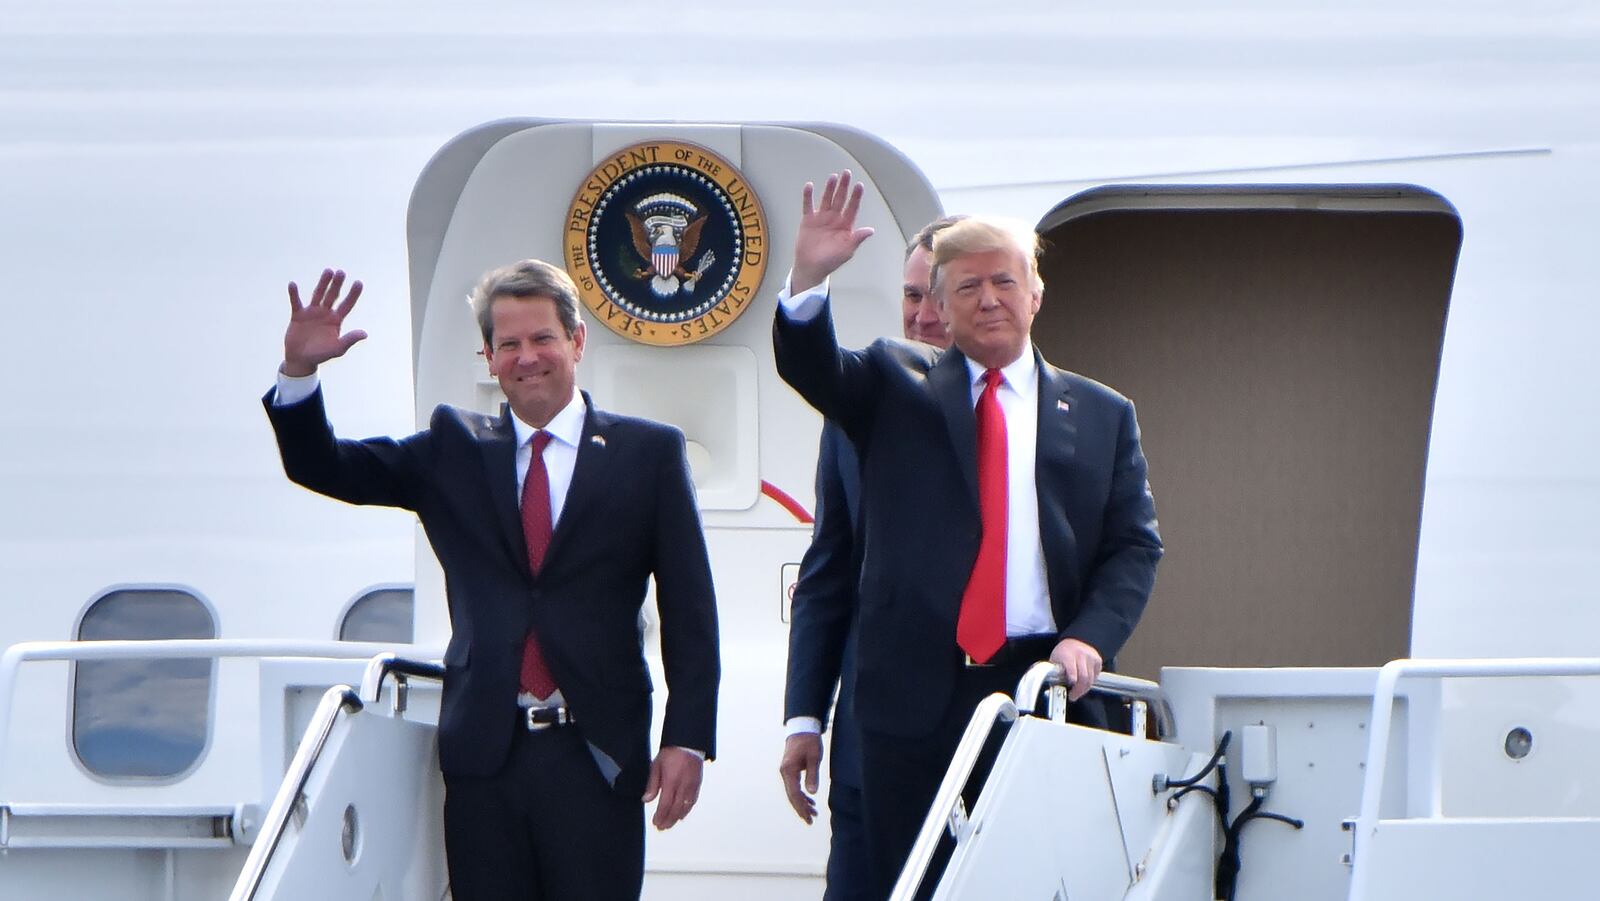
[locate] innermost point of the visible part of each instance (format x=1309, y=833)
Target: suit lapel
x=1052, y=478
x=952, y=386
x=588, y=475
x=1058, y=417
x=498, y=443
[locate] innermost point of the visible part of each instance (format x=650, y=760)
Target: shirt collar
x=1020, y=374
x=566, y=426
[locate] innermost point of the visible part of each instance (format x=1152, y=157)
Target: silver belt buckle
x=533, y=726
x=973, y=664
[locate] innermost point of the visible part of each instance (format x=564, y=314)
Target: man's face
x=919, y=312
x=532, y=356
x=989, y=305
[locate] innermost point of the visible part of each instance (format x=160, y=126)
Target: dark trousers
x=547, y=827
x=900, y=776
x=847, y=847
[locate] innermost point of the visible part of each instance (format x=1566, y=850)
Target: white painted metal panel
x=1070, y=812
x=385, y=772
x=1471, y=859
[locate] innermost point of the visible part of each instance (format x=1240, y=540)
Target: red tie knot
x=541, y=440
x=992, y=379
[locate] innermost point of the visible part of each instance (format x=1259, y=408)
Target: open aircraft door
x=1282, y=343
x=679, y=320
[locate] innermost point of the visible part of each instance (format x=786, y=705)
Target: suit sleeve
x=824, y=600
x=687, y=604
x=377, y=471
x=1124, y=570
x=841, y=384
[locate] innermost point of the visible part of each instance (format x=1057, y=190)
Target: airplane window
x=382, y=614
x=142, y=718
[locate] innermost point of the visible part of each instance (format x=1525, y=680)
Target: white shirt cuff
x=294, y=389
x=699, y=754
x=805, y=307
x=802, y=725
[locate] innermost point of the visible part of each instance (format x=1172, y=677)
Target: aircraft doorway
x=1282, y=346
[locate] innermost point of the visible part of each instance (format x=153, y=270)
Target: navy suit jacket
x=629, y=514
x=822, y=635
x=908, y=409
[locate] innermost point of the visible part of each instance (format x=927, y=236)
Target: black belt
x=540, y=718
x=1026, y=649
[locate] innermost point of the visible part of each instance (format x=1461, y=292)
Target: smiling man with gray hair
x=549, y=521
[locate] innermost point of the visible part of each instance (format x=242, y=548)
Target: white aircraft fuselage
x=166, y=168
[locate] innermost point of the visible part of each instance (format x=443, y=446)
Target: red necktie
x=536, y=528
x=981, y=627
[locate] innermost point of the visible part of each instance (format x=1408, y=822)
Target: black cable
x=1206, y=789
x=1216, y=759
x=1224, y=795
x=1219, y=796
x=1269, y=815
x=1229, y=864
x=1221, y=802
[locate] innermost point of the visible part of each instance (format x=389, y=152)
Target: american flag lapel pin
x=1063, y=406
x=597, y=440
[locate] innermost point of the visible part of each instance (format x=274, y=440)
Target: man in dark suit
x=822, y=617
x=1005, y=511
x=545, y=720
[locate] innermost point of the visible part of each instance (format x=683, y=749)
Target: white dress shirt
x=560, y=454
x=1027, y=589
x=560, y=459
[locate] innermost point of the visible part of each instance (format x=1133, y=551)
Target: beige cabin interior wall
x=1283, y=365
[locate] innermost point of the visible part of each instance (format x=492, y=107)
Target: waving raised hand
x=313, y=336
x=828, y=236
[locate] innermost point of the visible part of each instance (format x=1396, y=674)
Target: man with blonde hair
x=1005, y=507
x=549, y=520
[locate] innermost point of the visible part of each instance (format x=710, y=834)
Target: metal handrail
x=336, y=700
x=1114, y=685
x=162, y=649
x=1366, y=821
x=947, y=810
x=389, y=664
x=946, y=804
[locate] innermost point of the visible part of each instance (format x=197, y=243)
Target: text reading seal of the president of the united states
x=666, y=242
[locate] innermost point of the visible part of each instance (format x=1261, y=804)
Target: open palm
x=828, y=236
x=313, y=336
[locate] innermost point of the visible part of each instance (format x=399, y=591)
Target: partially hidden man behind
x=822, y=642
x=1005, y=512
x=548, y=520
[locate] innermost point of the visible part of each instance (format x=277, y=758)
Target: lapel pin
x=597, y=440
x=1063, y=406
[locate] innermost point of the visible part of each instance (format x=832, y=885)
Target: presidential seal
x=666, y=242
